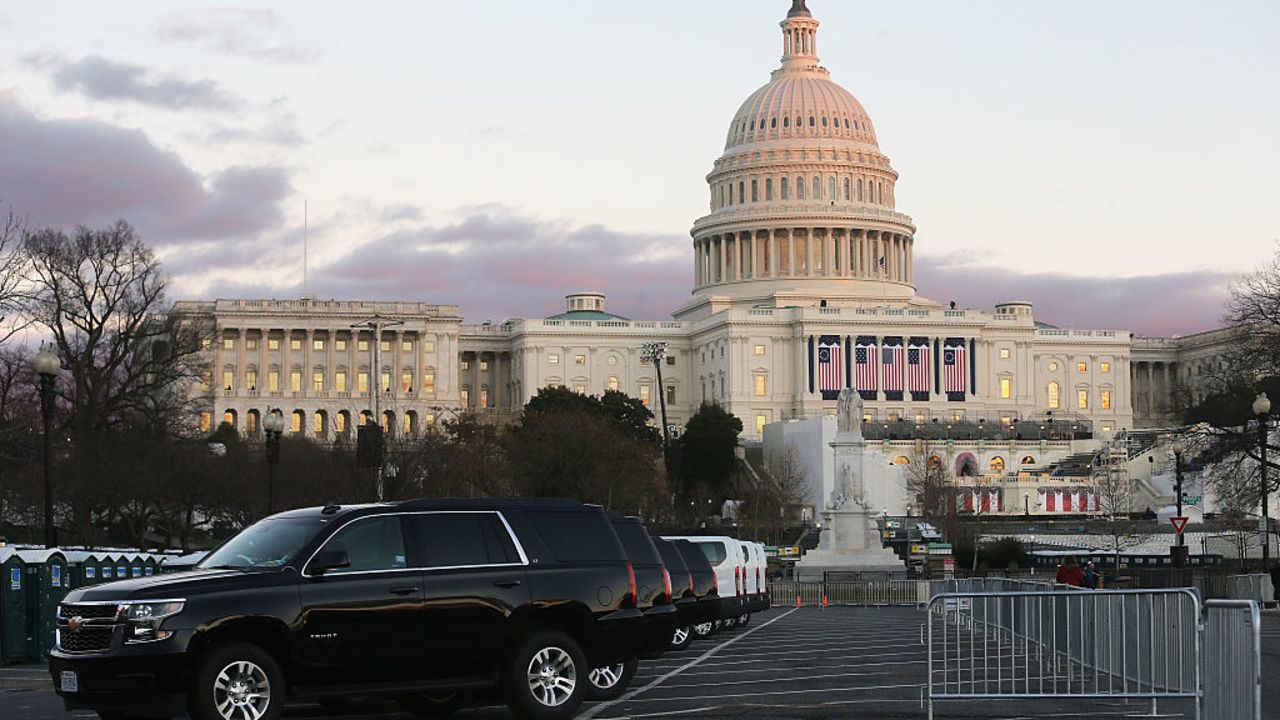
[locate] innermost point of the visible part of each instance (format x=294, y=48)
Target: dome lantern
x=799, y=37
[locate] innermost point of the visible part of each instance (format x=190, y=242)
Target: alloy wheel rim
x=241, y=691
x=681, y=635
x=552, y=676
x=606, y=677
x=704, y=628
x=742, y=619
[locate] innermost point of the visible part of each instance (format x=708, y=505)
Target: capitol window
x=759, y=349
x=846, y=188
x=428, y=346
x=761, y=420
x=761, y=384
x=1055, y=396
x=579, y=359
x=251, y=379
x=859, y=189
x=362, y=345
x=768, y=189
x=580, y=388
x=251, y=344
x=553, y=359
x=406, y=346
x=228, y=344
x=812, y=121
x=228, y=379
x=317, y=381
x=773, y=123
x=671, y=394
x=295, y=344
x=295, y=381
x=831, y=188
x=996, y=464
x=1006, y=388
x=644, y=395
x=465, y=365
x=1106, y=399
x=385, y=346
x=1082, y=399
x=273, y=381
x=786, y=122
x=612, y=384
x=755, y=191
x=1104, y=367
x=846, y=123
x=317, y=344
x=362, y=382
x=817, y=188
x=484, y=365
x=786, y=189
x=340, y=345
x=385, y=378
x=340, y=381
x=429, y=382
x=1082, y=366
x=824, y=121
x=799, y=188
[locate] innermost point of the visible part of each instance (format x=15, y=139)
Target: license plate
x=69, y=682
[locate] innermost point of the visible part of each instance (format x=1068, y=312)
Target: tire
x=729, y=623
x=743, y=619
x=705, y=630
x=432, y=705
x=681, y=638
x=610, y=681
x=241, y=674
x=546, y=676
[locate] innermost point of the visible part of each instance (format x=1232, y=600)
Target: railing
x=1063, y=644
x=1251, y=587
x=1232, y=660
x=866, y=593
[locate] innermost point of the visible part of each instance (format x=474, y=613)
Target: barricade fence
x=869, y=593
x=1232, y=675
x=1063, y=643
x=1255, y=587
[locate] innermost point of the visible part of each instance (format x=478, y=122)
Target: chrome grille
x=89, y=638
x=90, y=611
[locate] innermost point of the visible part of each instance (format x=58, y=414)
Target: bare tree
x=930, y=484
x=771, y=499
x=1116, y=494
x=13, y=266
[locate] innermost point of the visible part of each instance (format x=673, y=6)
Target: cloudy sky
x=1116, y=163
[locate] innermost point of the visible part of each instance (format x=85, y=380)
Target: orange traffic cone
x=797, y=601
x=824, y=602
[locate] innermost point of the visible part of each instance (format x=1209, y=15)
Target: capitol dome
x=802, y=207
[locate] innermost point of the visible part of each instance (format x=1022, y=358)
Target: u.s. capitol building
x=803, y=285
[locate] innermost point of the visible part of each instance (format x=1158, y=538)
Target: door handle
x=405, y=590
x=507, y=584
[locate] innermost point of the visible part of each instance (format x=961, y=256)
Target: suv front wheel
x=546, y=677
x=610, y=681
x=237, y=681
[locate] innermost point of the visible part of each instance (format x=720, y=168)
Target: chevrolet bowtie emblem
x=75, y=623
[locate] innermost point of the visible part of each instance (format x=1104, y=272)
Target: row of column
x=1152, y=399
x=493, y=380
x=803, y=252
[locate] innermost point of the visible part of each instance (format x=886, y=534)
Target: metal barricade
x=1048, y=643
x=866, y=593
x=1251, y=587
x=1232, y=677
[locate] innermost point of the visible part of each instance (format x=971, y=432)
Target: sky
x=1115, y=163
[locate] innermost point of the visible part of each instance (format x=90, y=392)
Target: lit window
x=273, y=343
x=228, y=379
x=205, y=421
x=295, y=381
x=1082, y=399
x=362, y=382
x=406, y=346
x=1107, y=429
x=385, y=346
x=340, y=381
x=553, y=359
x=205, y=343
x=406, y=381
x=295, y=344
x=1006, y=388
x=428, y=382
x=340, y=422
x=612, y=384
x=1104, y=367
x=1004, y=353
x=957, y=415
x=466, y=397
x=251, y=421
x=580, y=388
x=317, y=344
x=251, y=379
x=407, y=425
x=996, y=464
x=1053, y=367
x=296, y=425
x=317, y=425
x=671, y=394
x=428, y=346
x=580, y=359
x=465, y=365
x=1006, y=420
x=273, y=381
x=759, y=350
x=760, y=421
x=362, y=345
x=1082, y=366
x=431, y=418
x=228, y=344
x=385, y=379
x=1055, y=396
x=761, y=385
x=251, y=343
x=644, y=395
x=1106, y=399
x=317, y=381
x=484, y=365
x=340, y=345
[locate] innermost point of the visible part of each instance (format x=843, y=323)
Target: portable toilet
x=13, y=607
x=121, y=566
x=90, y=570
x=76, y=560
x=137, y=563
x=46, y=586
x=150, y=565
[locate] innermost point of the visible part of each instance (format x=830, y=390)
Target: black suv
x=421, y=601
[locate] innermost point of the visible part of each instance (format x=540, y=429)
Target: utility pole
x=375, y=325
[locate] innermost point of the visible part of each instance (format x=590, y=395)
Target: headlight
x=143, y=619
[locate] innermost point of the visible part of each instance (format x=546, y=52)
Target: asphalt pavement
x=807, y=663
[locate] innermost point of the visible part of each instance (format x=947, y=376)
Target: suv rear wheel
x=237, y=681
x=546, y=677
x=610, y=681
x=702, y=631
x=681, y=638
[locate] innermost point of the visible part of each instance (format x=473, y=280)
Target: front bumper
x=152, y=684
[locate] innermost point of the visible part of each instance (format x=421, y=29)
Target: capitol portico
x=803, y=284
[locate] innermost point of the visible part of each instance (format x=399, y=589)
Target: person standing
x=1090, y=576
x=1069, y=573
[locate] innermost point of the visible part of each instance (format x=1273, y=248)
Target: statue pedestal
x=850, y=542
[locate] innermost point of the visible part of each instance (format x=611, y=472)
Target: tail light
x=737, y=579
x=666, y=585
x=759, y=587
x=715, y=583
x=631, y=586
x=690, y=574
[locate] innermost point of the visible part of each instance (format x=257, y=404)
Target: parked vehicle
x=729, y=563
x=653, y=599
x=684, y=596
x=706, y=614
x=421, y=601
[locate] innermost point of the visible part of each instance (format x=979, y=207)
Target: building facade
x=803, y=285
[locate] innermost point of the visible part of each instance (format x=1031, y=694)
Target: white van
x=729, y=560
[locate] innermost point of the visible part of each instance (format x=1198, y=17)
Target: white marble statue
x=849, y=413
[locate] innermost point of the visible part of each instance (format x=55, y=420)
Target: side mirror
x=327, y=560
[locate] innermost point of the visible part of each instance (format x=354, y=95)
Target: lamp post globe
x=47, y=366
x=1261, y=404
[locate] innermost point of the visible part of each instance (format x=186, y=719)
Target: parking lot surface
x=788, y=663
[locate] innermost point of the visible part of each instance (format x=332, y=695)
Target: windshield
x=269, y=543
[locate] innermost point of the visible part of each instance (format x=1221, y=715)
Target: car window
x=451, y=539
x=579, y=536
x=637, y=543
x=714, y=551
x=670, y=556
x=375, y=543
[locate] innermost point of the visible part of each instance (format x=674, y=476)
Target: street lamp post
x=655, y=352
x=1180, y=549
x=47, y=366
x=1262, y=408
x=273, y=425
